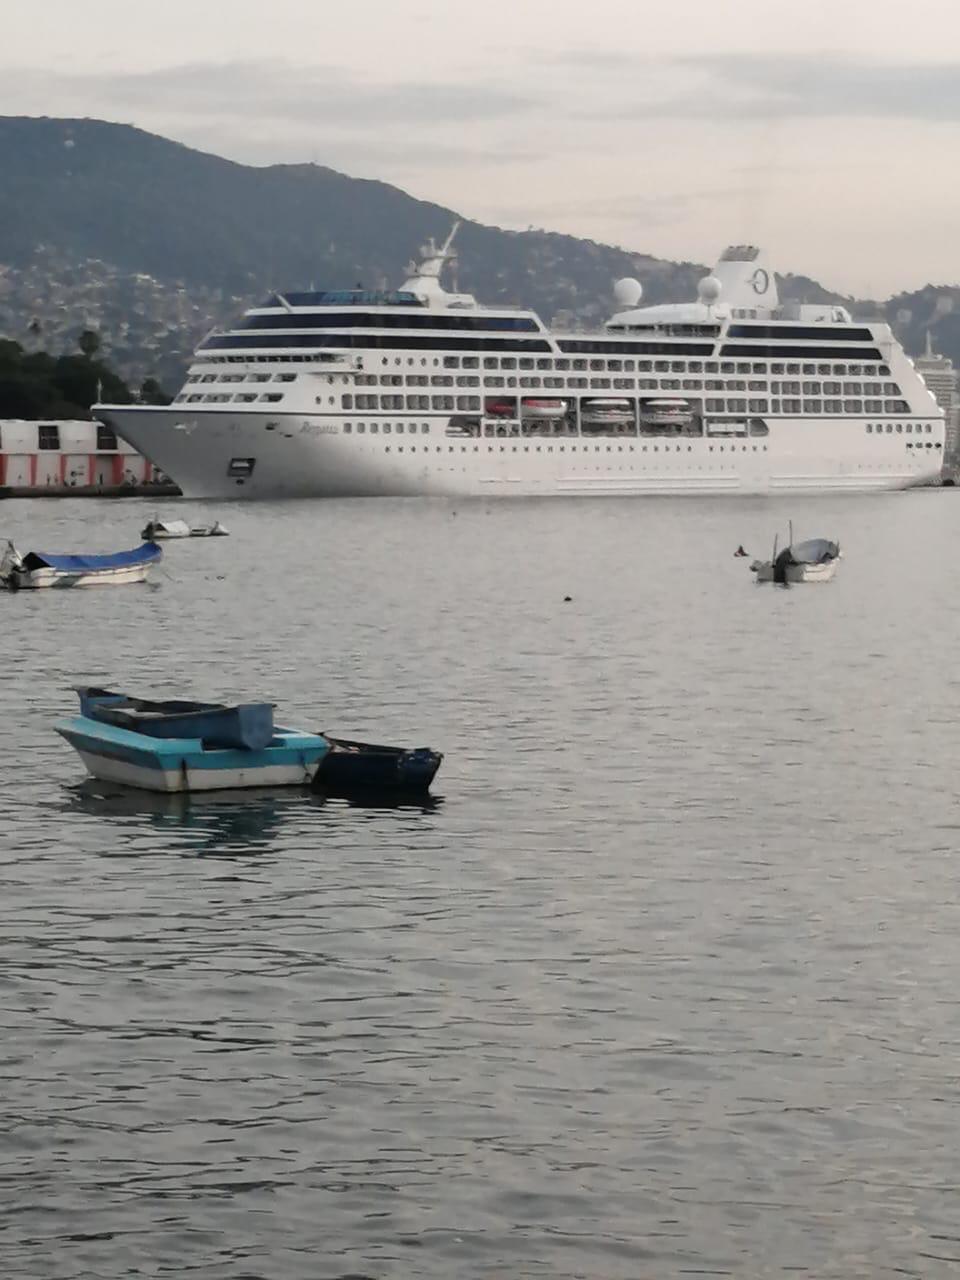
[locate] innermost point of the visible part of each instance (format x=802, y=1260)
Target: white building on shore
x=75, y=458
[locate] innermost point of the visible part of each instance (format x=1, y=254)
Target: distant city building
x=941, y=379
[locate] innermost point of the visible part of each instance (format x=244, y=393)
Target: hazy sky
x=826, y=130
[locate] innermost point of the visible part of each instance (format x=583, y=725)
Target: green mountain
x=151, y=243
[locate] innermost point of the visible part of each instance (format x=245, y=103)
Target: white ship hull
x=209, y=454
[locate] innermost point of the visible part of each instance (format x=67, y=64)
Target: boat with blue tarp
x=46, y=569
x=178, y=745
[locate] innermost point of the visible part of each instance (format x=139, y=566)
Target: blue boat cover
x=144, y=554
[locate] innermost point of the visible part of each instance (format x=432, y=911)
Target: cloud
x=273, y=89
x=799, y=86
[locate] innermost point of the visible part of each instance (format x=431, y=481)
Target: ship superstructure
x=424, y=391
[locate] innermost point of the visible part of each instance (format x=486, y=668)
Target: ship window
x=791, y=406
x=727, y=366
x=793, y=370
x=831, y=388
x=273, y=397
x=194, y=399
x=347, y=428
x=451, y=362
x=399, y=428
x=361, y=427
x=374, y=428
x=832, y=406
x=756, y=386
x=757, y=406
x=241, y=466
x=811, y=388
x=899, y=428
x=525, y=363
x=869, y=428
x=246, y=397
x=471, y=362
x=839, y=370
x=424, y=428
x=439, y=380
x=491, y=362
x=896, y=406
x=811, y=406
x=106, y=437
x=231, y=377
x=889, y=428
x=883, y=371
x=348, y=402
x=776, y=368
x=562, y=366
x=508, y=362
x=873, y=406
x=855, y=371
x=284, y=377
x=928, y=427
x=470, y=381
x=209, y=377
x=391, y=402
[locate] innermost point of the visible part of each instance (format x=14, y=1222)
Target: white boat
x=666, y=414
x=602, y=413
x=163, y=530
x=424, y=391
x=38, y=569
x=542, y=410
x=814, y=560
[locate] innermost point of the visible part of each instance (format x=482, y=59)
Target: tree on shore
x=89, y=343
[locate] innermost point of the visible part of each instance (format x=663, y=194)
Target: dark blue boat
x=246, y=726
x=353, y=768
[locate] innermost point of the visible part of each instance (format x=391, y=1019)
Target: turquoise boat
x=182, y=746
x=114, y=754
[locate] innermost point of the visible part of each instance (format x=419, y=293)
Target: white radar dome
x=709, y=290
x=628, y=292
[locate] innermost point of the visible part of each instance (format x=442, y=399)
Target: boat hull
x=359, y=767
x=39, y=579
x=170, y=765
x=799, y=572
x=241, y=454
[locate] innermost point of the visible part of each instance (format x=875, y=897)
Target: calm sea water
x=664, y=984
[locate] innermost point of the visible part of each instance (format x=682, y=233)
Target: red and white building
x=56, y=458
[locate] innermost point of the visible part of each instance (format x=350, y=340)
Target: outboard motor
x=780, y=566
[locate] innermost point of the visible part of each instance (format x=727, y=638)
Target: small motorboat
x=41, y=569
x=155, y=530
x=352, y=767
x=814, y=560
x=182, y=746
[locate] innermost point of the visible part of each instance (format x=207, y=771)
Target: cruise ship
x=421, y=391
